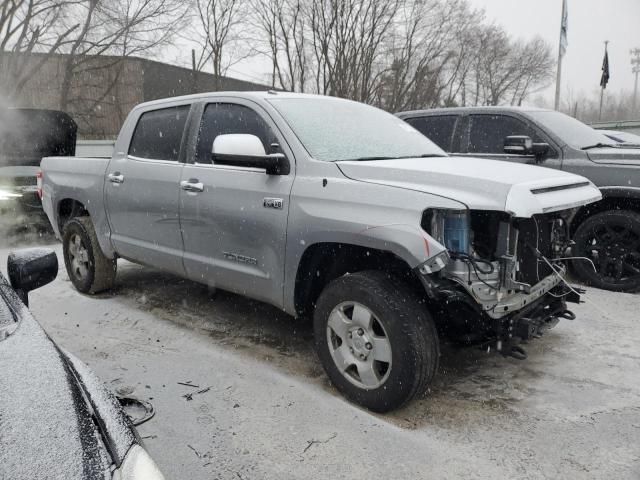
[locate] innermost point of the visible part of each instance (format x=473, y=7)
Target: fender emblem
x=234, y=257
x=276, y=203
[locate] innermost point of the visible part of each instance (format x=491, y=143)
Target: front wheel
x=611, y=240
x=88, y=268
x=375, y=340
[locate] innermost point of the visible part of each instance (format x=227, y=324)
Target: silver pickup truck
x=332, y=209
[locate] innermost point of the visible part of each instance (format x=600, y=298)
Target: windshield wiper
x=366, y=159
x=424, y=155
x=598, y=145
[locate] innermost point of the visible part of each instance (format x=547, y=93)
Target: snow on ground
x=572, y=410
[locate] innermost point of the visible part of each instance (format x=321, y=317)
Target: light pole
x=635, y=65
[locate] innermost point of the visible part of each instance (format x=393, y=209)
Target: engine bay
x=503, y=262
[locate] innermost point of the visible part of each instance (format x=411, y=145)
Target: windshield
x=332, y=129
x=575, y=133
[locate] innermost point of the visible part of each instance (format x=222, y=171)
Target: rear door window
x=158, y=134
x=439, y=129
x=228, y=118
x=487, y=132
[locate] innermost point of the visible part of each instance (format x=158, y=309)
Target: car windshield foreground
x=333, y=130
x=57, y=419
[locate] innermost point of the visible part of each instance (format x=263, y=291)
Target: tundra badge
x=234, y=257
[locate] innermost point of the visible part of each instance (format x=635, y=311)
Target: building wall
x=104, y=89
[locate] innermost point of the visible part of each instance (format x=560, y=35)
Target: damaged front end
x=501, y=278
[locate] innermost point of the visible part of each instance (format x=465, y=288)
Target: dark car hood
x=47, y=427
x=615, y=156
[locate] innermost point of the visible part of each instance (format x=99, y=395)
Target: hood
x=44, y=407
x=521, y=190
x=615, y=156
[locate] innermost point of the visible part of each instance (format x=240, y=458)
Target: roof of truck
x=458, y=110
x=246, y=94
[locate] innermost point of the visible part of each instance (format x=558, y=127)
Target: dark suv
x=607, y=233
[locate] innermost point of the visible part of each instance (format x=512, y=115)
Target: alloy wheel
x=615, y=252
x=359, y=345
x=79, y=257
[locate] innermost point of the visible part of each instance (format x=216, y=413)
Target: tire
x=611, y=240
x=386, y=321
x=88, y=268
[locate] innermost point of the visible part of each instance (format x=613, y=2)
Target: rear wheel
x=88, y=268
x=375, y=340
x=611, y=240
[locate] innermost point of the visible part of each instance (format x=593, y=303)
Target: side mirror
x=245, y=150
x=523, y=145
x=518, y=145
x=30, y=269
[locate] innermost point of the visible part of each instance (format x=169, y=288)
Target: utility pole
x=194, y=73
x=635, y=65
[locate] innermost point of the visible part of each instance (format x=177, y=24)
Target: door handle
x=192, y=185
x=116, y=177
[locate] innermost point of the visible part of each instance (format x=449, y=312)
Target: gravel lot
x=572, y=410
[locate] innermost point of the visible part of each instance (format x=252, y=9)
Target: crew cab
x=606, y=234
x=328, y=208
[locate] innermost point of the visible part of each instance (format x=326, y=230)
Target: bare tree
x=507, y=71
x=282, y=25
x=28, y=27
x=218, y=32
x=117, y=29
x=397, y=54
x=348, y=38
x=536, y=64
x=429, y=52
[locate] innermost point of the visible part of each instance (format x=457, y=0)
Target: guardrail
x=631, y=126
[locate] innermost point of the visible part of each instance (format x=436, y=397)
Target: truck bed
x=80, y=178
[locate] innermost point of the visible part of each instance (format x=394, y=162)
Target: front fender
x=326, y=207
x=408, y=242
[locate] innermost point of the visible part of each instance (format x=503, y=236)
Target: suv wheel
x=375, y=340
x=88, y=268
x=612, y=241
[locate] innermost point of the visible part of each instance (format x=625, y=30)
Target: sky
x=591, y=22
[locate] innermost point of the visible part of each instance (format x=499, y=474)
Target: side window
x=158, y=133
x=438, y=129
x=226, y=118
x=487, y=132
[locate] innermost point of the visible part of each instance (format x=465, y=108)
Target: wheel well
x=606, y=204
x=69, y=208
x=323, y=262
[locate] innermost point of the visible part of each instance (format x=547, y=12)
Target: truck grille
x=536, y=232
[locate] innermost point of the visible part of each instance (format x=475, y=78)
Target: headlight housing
x=451, y=228
x=137, y=465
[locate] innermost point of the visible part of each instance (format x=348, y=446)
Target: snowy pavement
x=572, y=410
